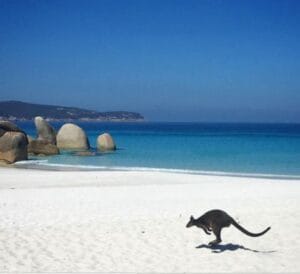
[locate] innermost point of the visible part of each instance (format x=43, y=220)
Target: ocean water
x=265, y=149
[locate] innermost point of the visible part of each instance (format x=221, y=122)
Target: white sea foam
x=29, y=162
x=44, y=164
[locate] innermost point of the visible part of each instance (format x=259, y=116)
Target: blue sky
x=170, y=60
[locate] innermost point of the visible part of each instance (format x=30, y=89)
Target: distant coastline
x=66, y=120
x=22, y=111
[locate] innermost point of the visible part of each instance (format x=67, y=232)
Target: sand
x=76, y=221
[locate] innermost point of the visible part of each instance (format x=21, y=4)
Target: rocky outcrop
x=45, y=144
x=71, y=136
x=105, y=142
x=13, y=147
x=44, y=131
x=42, y=147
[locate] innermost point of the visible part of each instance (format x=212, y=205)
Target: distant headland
x=16, y=110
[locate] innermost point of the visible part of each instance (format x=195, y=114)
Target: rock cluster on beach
x=45, y=143
x=15, y=144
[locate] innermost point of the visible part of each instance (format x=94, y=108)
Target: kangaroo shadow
x=219, y=248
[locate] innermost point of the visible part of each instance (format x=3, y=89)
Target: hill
x=16, y=110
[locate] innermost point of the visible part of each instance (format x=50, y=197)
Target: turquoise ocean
x=218, y=148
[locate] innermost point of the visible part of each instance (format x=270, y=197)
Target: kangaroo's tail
x=247, y=232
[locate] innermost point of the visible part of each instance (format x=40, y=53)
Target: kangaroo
x=215, y=220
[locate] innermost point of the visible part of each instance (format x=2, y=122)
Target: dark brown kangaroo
x=215, y=220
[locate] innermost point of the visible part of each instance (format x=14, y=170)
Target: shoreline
x=39, y=165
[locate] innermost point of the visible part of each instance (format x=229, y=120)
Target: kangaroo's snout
x=191, y=222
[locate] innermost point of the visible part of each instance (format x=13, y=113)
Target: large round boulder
x=105, y=142
x=13, y=146
x=44, y=131
x=71, y=136
x=13, y=143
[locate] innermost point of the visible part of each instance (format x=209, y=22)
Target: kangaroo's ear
x=192, y=218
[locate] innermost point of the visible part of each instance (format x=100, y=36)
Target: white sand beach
x=78, y=221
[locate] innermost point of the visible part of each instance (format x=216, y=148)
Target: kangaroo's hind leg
x=217, y=232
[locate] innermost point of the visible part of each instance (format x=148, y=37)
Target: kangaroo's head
x=191, y=222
